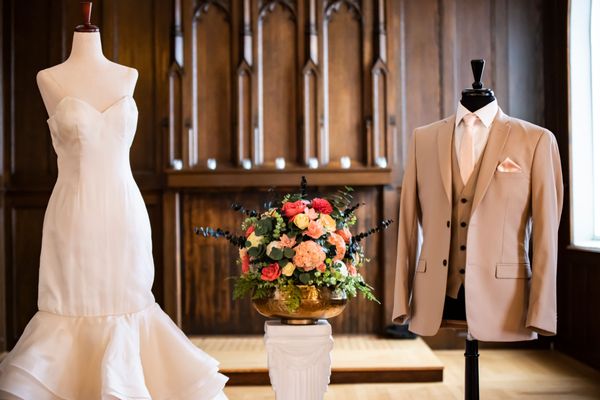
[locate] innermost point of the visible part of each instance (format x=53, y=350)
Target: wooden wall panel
x=136, y=34
x=278, y=82
x=343, y=75
x=25, y=246
x=32, y=159
x=211, y=69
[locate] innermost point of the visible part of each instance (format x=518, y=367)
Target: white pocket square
x=508, y=165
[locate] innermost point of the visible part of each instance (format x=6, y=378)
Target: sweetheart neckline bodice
x=87, y=104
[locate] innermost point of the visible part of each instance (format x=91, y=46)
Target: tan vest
x=462, y=199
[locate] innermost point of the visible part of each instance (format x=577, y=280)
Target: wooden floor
x=504, y=374
x=356, y=358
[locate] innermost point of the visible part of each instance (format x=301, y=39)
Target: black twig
x=303, y=184
x=383, y=225
x=244, y=210
x=235, y=240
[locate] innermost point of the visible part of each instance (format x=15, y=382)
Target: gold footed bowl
x=316, y=303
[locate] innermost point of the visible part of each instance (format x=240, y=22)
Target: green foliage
x=264, y=226
x=276, y=254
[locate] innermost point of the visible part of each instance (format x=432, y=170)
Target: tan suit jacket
x=510, y=296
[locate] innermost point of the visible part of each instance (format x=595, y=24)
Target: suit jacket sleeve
x=546, y=204
x=407, y=237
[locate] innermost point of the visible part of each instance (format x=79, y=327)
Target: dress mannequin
x=86, y=75
x=99, y=333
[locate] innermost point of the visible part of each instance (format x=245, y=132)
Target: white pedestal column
x=299, y=359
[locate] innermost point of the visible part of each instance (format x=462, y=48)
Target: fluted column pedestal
x=299, y=359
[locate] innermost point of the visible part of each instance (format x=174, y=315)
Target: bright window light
x=584, y=84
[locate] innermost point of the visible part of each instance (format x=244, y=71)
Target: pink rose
x=340, y=245
x=309, y=255
x=245, y=261
x=286, y=241
x=292, y=209
x=271, y=272
x=351, y=269
x=345, y=234
x=322, y=206
x=315, y=229
x=312, y=214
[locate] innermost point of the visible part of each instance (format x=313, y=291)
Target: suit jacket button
x=445, y=262
x=463, y=224
x=463, y=247
x=448, y=224
x=463, y=200
x=462, y=271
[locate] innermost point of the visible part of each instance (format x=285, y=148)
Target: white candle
x=345, y=162
x=313, y=163
x=177, y=164
x=246, y=163
x=280, y=163
x=381, y=162
x=211, y=163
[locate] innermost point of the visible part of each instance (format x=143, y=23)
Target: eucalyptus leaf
x=253, y=252
x=304, y=278
x=276, y=254
x=288, y=252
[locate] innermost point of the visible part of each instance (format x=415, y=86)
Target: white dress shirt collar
x=486, y=114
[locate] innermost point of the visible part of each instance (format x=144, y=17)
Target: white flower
x=254, y=240
x=274, y=244
x=341, y=267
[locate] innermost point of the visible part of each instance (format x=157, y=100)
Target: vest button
x=463, y=200
x=463, y=224
x=463, y=247
x=462, y=271
x=445, y=262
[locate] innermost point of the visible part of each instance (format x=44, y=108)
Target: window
x=584, y=83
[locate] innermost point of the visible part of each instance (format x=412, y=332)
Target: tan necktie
x=466, y=156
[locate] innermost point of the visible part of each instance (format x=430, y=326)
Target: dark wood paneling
x=136, y=34
x=342, y=47
x=23, y=250
x=212, y=51
x=278, y=81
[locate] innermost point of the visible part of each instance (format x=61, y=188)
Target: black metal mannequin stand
x=471, y=369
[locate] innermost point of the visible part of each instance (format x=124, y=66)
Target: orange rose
x=345, y=234
x=340, y=245
x=315, y=229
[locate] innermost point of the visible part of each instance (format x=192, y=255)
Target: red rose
x=322, y=206
x=245, y=262
x=292, y=209
x=249, y=230
x=271, y=272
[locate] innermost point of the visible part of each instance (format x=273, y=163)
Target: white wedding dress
x=99, y=333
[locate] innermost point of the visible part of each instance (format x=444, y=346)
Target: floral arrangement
x=300, y=241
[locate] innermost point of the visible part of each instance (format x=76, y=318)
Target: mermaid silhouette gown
x=99, y=334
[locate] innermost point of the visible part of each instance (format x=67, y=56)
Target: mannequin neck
x=87, y=47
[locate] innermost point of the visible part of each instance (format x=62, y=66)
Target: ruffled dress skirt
x=142, y=355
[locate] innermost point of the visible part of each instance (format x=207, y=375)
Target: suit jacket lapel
x=496, y=141
x=444, y=140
